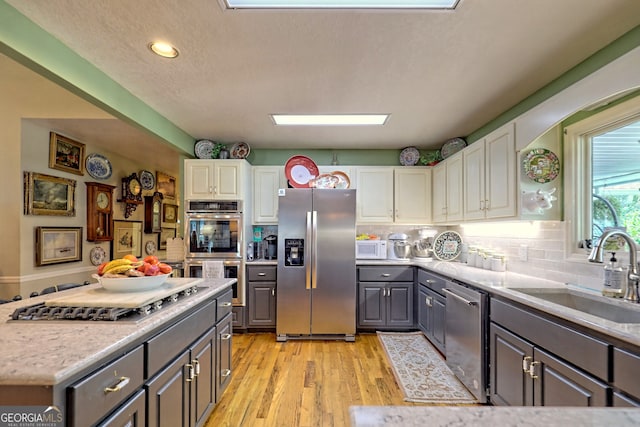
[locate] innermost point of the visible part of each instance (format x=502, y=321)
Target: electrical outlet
x=523, y=252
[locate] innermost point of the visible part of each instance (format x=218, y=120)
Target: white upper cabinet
x=490, y=176
x=374, y=198
x=266, y=181
x=214, y=179
x=447, y=190
x=412, y=195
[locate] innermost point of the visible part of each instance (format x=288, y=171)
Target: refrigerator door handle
x=308, y=242
x=314, y=251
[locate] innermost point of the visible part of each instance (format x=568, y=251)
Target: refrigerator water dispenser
x=293, y=252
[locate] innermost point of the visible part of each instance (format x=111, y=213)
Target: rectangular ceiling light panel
x=341, y=4
x=330, y=119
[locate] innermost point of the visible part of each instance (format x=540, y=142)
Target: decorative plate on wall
x=452, y=146
x=203, y=149
x=409, y=156
x=240, y=150
x=541, y=165
x=147, y=180
x=97, y=255
x=300, y=170
x=98, y=166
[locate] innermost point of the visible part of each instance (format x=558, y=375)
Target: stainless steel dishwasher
x=466, y=337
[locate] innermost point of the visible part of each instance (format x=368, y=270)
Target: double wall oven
x=214, y=232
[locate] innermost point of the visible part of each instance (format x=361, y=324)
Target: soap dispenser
x=615, y=279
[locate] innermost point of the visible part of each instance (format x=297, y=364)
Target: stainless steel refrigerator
x=316, y=289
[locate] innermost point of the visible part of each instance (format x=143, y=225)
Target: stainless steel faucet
x=597, y=252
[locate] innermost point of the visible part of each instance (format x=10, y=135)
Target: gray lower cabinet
x=173, y=378
x=525, y=372
x=261, y=286
x=431, y=308
x=626, y=375
x=385, y=297
x=238, y=318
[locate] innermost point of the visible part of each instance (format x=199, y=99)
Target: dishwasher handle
x=464, y=300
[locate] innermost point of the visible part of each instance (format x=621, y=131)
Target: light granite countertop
x=49, y=352
x=481, y=416
x=502, y=283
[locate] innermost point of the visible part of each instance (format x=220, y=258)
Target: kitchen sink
x=618, y=311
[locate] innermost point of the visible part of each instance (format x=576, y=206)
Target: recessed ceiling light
x=163, y=49
x=330, y=119
x=341, y=4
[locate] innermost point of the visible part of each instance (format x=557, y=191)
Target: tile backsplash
x=542, y=243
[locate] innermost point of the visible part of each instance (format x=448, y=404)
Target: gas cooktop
x=100, y=304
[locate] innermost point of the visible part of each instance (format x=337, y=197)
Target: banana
x=119, y=269
x=115, y=264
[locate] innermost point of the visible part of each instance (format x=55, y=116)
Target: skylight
x=341, y=4
x=330, y=119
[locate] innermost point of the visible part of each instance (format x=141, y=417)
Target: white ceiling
x=439, y=74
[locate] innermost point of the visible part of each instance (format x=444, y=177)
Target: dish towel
x=212, y=269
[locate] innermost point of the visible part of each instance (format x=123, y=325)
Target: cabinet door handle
x=428, y=301
x=261, y=274
x=273, y=292
x=190, y=373
x=225, y=372
x=225, y=304
x=196, y=366
x=525, y=363
x=225, y=336
x=487, y=205
x=121, y=384
x=532, y=370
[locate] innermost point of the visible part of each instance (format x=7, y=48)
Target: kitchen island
x=44, y=361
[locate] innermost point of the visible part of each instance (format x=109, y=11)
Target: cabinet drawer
x=586, y=352
x=262, y=273
x=224, y=305
x=431, y=281
x=131, y=413
x=625, y=371
x=385, y=274
x=162, y=348
x=99, y=393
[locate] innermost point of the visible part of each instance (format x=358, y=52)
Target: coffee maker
x=271, y=250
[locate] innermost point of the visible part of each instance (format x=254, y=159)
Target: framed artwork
x=65, y=154
x=56, y=245
x=166, y=184
x=170, y=213
x=165, y=233
x=127, y=239
x=48, y=195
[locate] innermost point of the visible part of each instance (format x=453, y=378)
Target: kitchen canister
x=479, y=258
x=498, y=262
x=486, y=260
x=472, y=256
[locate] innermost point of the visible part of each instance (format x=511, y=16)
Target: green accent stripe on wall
x=31, y=46
x=614, y=50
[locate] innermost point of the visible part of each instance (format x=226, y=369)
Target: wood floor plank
x=304, y=383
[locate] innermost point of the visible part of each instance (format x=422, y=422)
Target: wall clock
x=153, y=212
x=99, y=212
x=131, y=193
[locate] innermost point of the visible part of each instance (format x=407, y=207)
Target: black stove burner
x=41, y=311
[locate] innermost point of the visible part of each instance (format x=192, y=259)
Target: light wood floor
x=304, y=383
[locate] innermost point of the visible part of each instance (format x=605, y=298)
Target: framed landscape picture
x=56, y=245
x=127, y=239
x=166, y=184
x=65, y=154
x=48, y=195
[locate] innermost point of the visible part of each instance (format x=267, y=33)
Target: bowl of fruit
x=129, y=274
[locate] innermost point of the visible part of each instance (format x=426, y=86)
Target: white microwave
x=371, y=249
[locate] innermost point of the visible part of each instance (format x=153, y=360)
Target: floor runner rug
x=420, y=370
